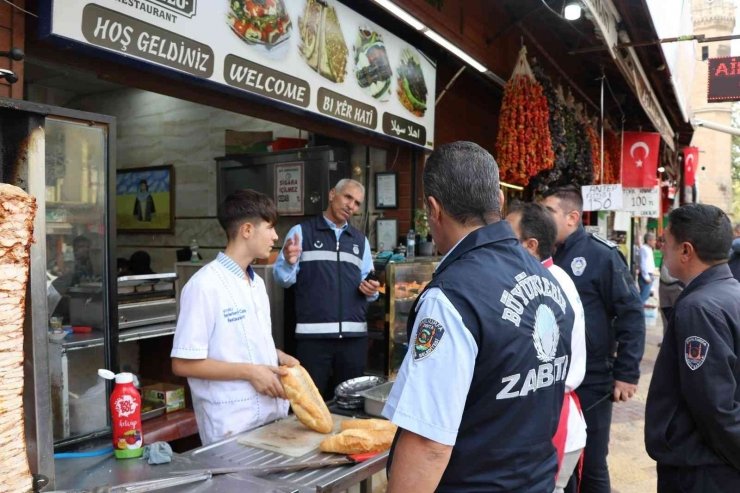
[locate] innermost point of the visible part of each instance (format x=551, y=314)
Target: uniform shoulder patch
x=428, y=337
x=603, y=241
x=695, y=352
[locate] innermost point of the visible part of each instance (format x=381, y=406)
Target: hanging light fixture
x=572, y=10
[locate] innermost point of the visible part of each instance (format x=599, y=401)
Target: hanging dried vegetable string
x=613, y=155
x=523, y=145
x=556, y=126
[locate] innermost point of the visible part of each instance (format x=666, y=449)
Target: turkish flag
x=640, y=159
x=690, y=163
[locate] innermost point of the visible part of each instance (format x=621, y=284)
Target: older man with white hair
x=328, y=261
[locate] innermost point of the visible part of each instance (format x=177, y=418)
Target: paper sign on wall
x=289, y=189
x=642, y=202
x=602, y=197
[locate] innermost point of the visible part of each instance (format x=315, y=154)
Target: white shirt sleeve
x=429, y=394
x=577, y=370
x=195, y=323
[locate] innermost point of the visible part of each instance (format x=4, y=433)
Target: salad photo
x=264, y=22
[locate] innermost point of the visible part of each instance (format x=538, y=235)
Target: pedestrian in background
x=647, y=267
x=692, y=417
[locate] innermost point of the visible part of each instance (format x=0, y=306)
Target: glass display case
x=387, y=317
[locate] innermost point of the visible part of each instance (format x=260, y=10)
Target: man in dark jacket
x=615, y=323
x=735, y=253
x=692, y=418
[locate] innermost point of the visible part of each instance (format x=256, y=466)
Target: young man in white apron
x=223, y=342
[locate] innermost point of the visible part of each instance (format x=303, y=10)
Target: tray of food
x=260, y=22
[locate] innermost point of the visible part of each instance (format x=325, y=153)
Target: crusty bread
x=305, y=400
x=369, y=424
x=358, y=442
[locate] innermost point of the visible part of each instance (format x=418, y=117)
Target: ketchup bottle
x=125, y=408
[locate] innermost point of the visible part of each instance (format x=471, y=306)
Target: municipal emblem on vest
x=428, y=335
x=578, y=265
x=696, y=352
x=356, y=249
x=317, y=244
x=546, y=334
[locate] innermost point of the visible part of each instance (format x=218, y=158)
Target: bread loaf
x=305, y=400
x=17, y=210
x=356, y=441
x=369, y=424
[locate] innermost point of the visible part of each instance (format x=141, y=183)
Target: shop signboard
x=724, y=79
x=602, y=197
x=606, y=18
x=289, y=189
x=316, y=56
x=642, y=202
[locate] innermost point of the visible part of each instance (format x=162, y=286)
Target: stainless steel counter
x=89, y=472
x=328, y=480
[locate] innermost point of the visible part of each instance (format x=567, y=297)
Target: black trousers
x=715, y=479
x=332, y=361
x=598, y=421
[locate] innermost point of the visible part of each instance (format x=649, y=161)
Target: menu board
x=316, y=55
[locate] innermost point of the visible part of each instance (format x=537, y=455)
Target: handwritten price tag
x=642, y=202
x=602, y=197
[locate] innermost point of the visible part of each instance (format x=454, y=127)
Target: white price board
x=289, y=189
x=642, y=202
x=602, y=197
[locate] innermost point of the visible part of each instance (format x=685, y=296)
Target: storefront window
x=76, y=161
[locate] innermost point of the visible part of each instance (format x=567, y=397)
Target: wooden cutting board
x=288, y=436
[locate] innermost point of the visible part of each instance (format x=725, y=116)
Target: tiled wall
x=154, y=130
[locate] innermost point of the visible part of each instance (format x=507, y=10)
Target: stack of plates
x=347, y=394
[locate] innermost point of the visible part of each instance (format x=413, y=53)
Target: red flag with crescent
x=690, y=163
x=640, y=152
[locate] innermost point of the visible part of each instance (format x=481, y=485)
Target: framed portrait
x=386, y=190
x=145, y=200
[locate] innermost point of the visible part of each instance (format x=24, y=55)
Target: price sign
x=642, y=202
x=602, y=197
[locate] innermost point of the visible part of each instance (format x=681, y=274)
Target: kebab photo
x=412, y=90
x=323, y=46
x=372, y=67
x=263, y=22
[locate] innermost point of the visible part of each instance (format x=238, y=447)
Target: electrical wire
x=19, y=8
x=544, y=2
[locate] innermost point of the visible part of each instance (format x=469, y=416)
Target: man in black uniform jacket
x=692, y=418
x=615, y=325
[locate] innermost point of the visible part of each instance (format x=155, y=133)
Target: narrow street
x=631, y=469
